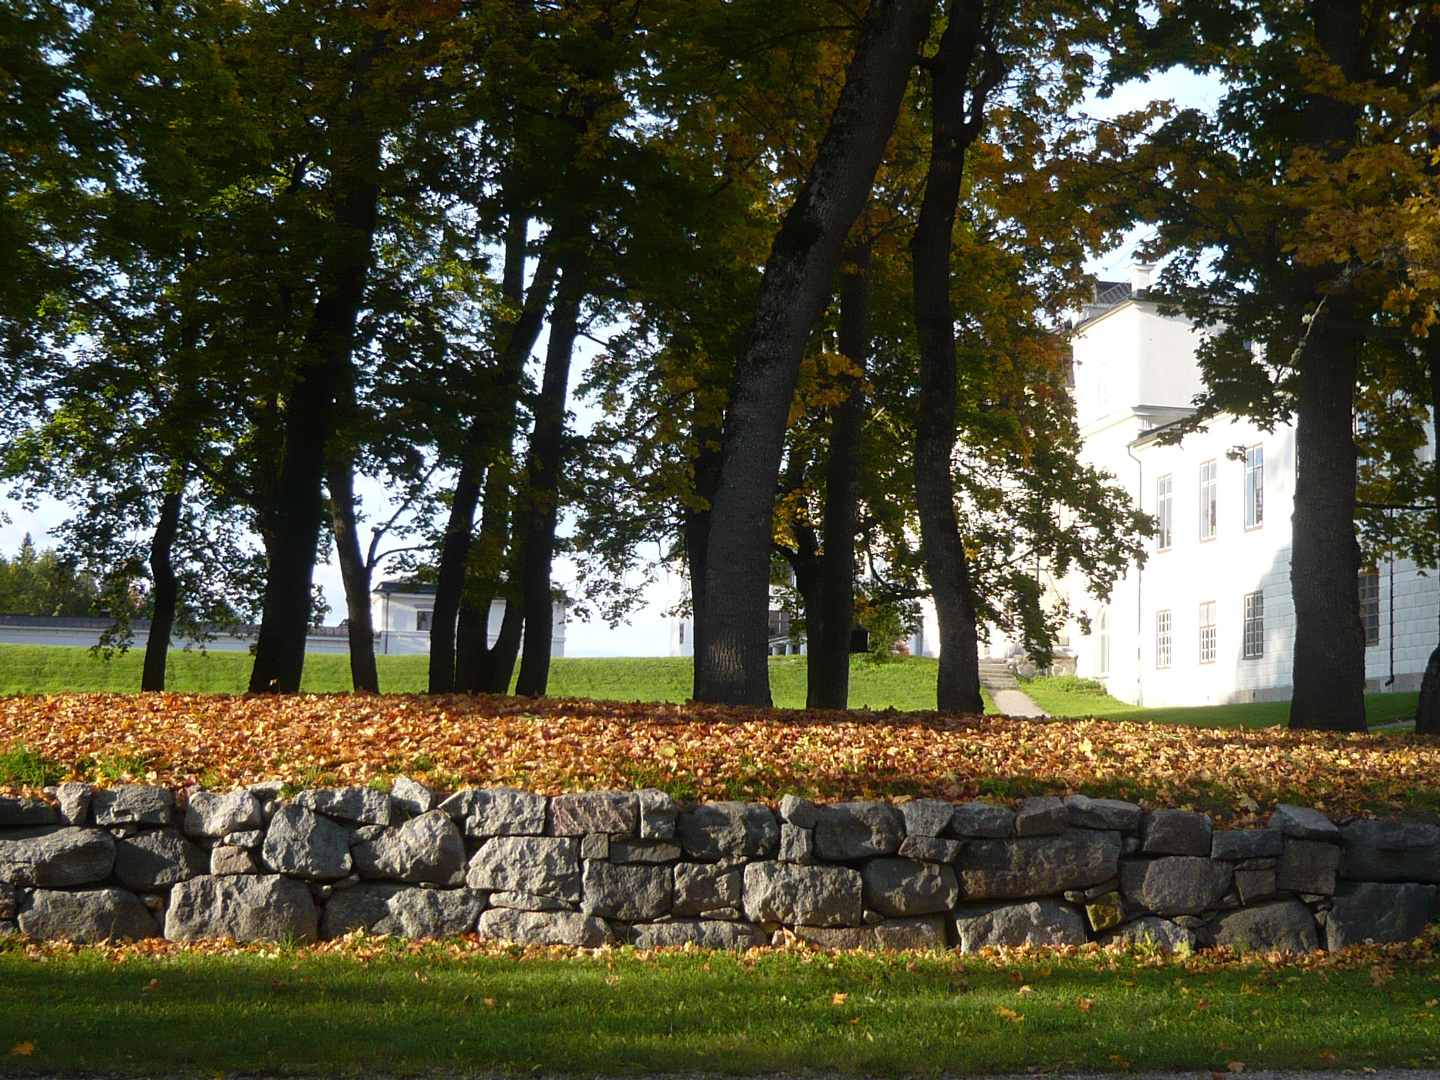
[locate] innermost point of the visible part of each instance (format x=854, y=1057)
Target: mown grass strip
x=408, y=1012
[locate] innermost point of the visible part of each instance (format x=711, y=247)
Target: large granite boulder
x=981, y=821
x=1238, y=844
x=1044, y=815
x=702, y=887
x=86, y=916
x=927, y=817
x=132, y=804
x=701, y=933
x=544, y=928
x=1088, y=813
x=543, y=865
x=411, y=796
x=728, y=830
x=892, y=935
x=54, y=856
x=1308, y=866
x=157, y=859
x=1364, y=912
x=1175, y=885
x=612, y=813
x=1038, y=865
x=26, y=810
x=901, y=887
x=1303, y=823
x=803, y=895
x=355, y=805
x=402, y=910
x=427, y=848
x=210, y=814
x=305, y=844
x=858, y=830
x=498, y=811
x=1176, y=832
x=1037, y=922
x=1152, y=930
x=1391, y=851
x=73, y=802
x=1280, y=926
x=267, y=907
x=657, y=814
x=630, y=893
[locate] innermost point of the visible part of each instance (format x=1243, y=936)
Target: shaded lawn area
x=410, y=1009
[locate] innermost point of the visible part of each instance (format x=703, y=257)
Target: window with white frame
x=1370, y=606
x=1209, y=484
x=1162, y=639
x=1254, y=487
x=1102, y=656
x=422, y=619
x=1207, y=632
x=1254, y=632
x=1164, y=512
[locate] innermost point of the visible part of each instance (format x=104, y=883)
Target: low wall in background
x=605, y=867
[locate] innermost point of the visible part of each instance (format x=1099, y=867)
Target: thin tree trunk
x=1329, y=671
x=450, y=578
x=943, y=550
x=166, y=590
x=828, y=665
x=473, y=659
x=355, y=574
x=696, y=534
x=290, y=545
x=500, y=662
x=1427, y=712
x=731, y=666
x=542, y=488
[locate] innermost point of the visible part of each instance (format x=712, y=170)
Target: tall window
x=1209, y=475
x=1102, y=660
x=1162, y=639
x=1370, y=606
x=1207, y=632
x=422, y=619
x=1254, y=487
x=1254, y=625
x=1164, y=511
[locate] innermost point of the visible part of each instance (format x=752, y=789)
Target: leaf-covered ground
x=699, y=752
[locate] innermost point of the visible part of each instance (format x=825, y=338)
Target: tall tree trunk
x=731, y=666
x=482, y=436
x=542, y=488
x=500, y=661
x=943, y=550
x=355, y=574
x=296, y=518
x=166, y=590
x=696, y=532
x=1427, y=713
x=483, y=584
x=828, y=665
x=1329, y=671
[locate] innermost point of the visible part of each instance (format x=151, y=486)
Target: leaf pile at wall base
x=710, y=752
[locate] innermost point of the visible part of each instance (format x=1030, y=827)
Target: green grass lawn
x=404, y=1013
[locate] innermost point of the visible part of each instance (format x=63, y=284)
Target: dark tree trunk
x=697, y=533
x=731, y=665
x=1329, y=672
x=474, y=661
x=542, y=488
x=1427, y=713
x=355, y=574
x=166, y=590
x=500, y=661
x=296, y=517
x=487, y=433
x=941, y=546
x=829, y=627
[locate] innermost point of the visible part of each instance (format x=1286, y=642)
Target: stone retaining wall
x=614, y=867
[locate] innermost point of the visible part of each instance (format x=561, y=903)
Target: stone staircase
x=996, y=675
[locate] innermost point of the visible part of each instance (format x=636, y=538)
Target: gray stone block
x=644, y=851
x=544, y=928
x=302, y=843
x=1152, y=930
x=799, y=812
x=627, y=893
x=930, y=849
x=1038, y=865
x=264, y=908
x=55, y=856
x=1303, y=823
x=1308, y=866
x=657, y=815
x=132, y=804
x=1036, y=922
x=157, y=859
x=404, y=911
x=233, y=860
x=918, y=933
x=926, y=817
x=1044, y=815
x=797, y=845
x=215, y=815
x=1364, y=912
x=595, y=846
x=858, y=830
x=1175, y=885
x=1254, y=885
x=802, y=895
x=839, y=938
x=979, y=820
x=1088, y=813
x=74, y=802
x=250, y=839
x=358, y=805
x=428, y=848
x=1239, y=844
x=27, y=810
x=86, y=916
x=701, y=933
x=9, y=901
x=615, y=813
x=1391, y=851
x=700, y=887
x=903, y=887
x=1176, y=832
x=411, y=796
x=714, y=831
x=1282, y=925
x=545, y=865
x=524, y=901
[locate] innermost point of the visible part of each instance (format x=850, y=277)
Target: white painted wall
x=396, y=617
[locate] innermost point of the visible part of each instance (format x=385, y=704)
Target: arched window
x=1102, y=659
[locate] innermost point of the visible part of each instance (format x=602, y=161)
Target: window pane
x=1164, y=512
x=1254, y=487
x=1370, y=606
x=1162, y=639
x=1254, y=625
x=1207, y=632
x=1208, y=477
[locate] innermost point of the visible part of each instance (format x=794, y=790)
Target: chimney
x=1140, y=277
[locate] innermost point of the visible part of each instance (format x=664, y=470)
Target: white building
x=401, y=616
x=1209, y=618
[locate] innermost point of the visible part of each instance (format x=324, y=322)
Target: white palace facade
x=1209, y=618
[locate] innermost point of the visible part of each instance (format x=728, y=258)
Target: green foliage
x=42, y=583
x=21, y=766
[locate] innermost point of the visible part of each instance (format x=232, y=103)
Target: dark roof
x=406, y=587
x=1151, y=434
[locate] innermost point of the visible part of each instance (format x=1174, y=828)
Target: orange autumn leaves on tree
x=705, y=752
